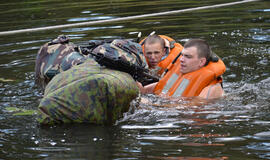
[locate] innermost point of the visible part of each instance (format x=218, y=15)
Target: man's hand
x=146, y=89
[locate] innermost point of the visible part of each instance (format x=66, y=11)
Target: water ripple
x=8, y=131
x=20, y=50
x=91, y=28
x=163, y=138
x=24, y=42
x=158, y=126
x=261, y=37
x=50, y=149
x=90, y=18
x=229, y=139
x=261, y=10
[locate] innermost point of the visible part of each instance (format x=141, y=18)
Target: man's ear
x=164, y=51
x=202, y=62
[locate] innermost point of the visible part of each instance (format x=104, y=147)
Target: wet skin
x=154, y=52
x=190, y=60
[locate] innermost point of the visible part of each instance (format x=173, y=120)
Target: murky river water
x=236, y=127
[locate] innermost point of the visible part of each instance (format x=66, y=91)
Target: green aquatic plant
x=6, y=80
x=20, y=112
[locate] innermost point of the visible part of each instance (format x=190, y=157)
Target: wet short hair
x=154, y=39
x=203, y=49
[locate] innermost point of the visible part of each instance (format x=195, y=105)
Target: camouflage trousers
x=87, y=93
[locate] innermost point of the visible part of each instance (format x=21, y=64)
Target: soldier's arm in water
x=209, y=92
x=212, y=91
x=146, y=89
x=207, y=95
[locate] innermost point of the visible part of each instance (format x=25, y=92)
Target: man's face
x=154, y=52
x=190, y=61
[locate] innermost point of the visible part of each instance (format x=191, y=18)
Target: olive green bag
x=87, y=93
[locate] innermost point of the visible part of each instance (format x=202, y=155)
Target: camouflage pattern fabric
x=127, y=56
x=126, y=49
x=87, y=93
x=55, y=57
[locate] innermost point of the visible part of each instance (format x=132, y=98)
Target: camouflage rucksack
x=55, y=57
x=123, y=49
x=123, y=55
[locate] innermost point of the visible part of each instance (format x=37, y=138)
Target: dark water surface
x=236, y=127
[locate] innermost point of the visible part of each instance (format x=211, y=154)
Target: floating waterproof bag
x=87, y=93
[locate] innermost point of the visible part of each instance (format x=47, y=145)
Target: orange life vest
x=174, y=50
x=175, y=84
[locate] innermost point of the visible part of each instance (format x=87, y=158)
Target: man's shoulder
x=212, y=91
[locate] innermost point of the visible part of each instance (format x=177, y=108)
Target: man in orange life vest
x=159, y=51
x=154, y=50
x=195, y=73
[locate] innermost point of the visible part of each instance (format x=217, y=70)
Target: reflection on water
x=90, y=18
x=91, y=28
x=236, y=127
